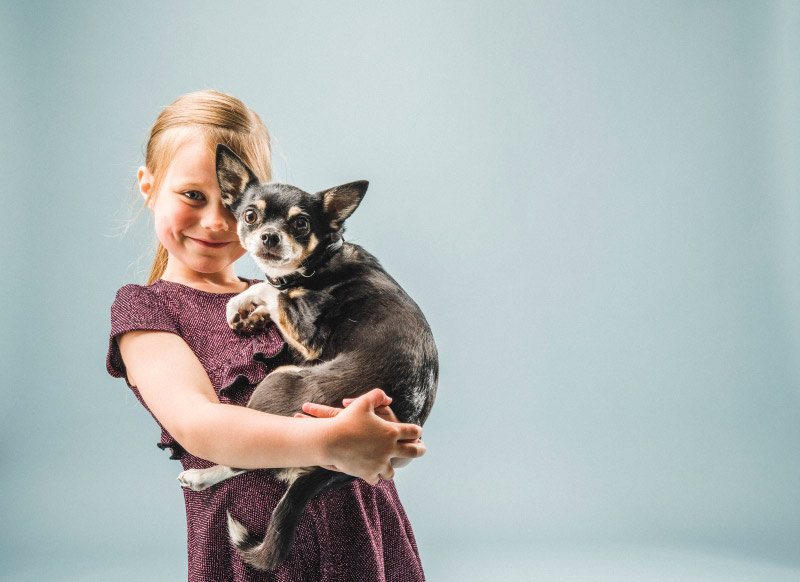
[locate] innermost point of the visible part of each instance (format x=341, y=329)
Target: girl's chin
x=206, y=264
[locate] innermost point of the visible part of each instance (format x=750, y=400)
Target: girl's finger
x=408, y=432
x=320, y=410
x=372, y=399
x=386, y=401
x=411, y=450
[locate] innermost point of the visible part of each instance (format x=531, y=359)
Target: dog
x=349, y=324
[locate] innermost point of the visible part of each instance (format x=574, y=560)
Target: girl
x=171, y=343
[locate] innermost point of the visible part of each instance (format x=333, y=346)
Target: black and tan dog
x=352, y=325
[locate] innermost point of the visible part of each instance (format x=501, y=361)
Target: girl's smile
x=211, y=244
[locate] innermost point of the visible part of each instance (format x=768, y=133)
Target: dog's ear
x=233, y=175
x=339, y=202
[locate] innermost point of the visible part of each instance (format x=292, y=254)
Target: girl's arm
x=178, y=392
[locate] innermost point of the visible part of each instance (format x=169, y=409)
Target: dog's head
x=280, y=225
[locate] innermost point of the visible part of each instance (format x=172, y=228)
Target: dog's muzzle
x=270, y=239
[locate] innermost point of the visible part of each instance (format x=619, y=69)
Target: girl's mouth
x=211, y=244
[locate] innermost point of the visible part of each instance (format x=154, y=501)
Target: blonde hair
x=217, y=118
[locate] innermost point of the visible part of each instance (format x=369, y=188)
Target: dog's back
x=376, y=337
x=379, y=338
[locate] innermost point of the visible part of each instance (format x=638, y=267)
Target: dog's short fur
x=352, y=324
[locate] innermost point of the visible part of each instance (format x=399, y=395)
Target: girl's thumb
x=386, y=400
x=371, y=400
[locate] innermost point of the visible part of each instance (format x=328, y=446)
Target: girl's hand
x=366, y=435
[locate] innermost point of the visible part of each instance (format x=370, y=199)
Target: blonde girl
x=171, y=343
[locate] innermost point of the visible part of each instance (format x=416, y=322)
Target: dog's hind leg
x=199, y=479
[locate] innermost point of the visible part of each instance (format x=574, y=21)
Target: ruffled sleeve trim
x=137, y=308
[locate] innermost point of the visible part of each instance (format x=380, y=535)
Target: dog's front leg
x=253, y=307
x=199, y=479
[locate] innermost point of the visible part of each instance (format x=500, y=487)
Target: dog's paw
x=246, y=320
x=245, y=314
x=235, y=311
x=199, y=479
x=195, y=479
x=236, y=321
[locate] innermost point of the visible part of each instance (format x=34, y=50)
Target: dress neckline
x=196, y=290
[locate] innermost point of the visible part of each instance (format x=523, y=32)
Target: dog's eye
x=301, y=223
x=250, y=216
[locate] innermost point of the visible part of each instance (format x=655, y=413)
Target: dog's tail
x=274, y=549
x=264, y=554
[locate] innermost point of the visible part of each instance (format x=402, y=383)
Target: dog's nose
x=270, y=239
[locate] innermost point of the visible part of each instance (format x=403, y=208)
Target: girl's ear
x=145, y=180
x=233, y=175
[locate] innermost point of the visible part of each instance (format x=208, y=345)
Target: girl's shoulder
x=133, y=290
x=139, y=300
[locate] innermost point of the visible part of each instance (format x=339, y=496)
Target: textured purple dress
x=359, y=532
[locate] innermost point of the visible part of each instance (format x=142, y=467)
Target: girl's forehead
x=192, y=161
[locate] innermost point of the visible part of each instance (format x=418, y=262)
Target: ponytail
x=159, y=264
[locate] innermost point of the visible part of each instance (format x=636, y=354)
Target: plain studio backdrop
x=595, y=204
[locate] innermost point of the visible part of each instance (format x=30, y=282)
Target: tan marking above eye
x=294, y=211
x=262, y=204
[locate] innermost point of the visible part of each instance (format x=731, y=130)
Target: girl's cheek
x=164, y=230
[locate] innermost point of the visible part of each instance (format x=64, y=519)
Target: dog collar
x=292, y=280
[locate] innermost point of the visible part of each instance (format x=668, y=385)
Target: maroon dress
x=359, y=532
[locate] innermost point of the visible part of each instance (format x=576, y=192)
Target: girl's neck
x=224, y=281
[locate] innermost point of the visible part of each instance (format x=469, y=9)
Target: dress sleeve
x=136, y=308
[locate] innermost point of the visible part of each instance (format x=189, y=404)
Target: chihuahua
x=349, y=324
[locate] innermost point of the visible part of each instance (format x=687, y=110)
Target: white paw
x=244, y=321
x=199, y=479
x=243, y=313
x=194, y=479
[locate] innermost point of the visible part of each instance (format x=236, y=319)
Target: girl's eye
x=250, y=216
x=301, y=223
x=193, y=195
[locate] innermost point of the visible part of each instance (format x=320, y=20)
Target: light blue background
x=595, y=203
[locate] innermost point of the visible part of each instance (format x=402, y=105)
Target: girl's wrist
x=318, y=438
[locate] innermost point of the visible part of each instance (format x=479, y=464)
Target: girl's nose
x=216, y=217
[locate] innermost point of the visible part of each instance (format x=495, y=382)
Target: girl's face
x=197, y=231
